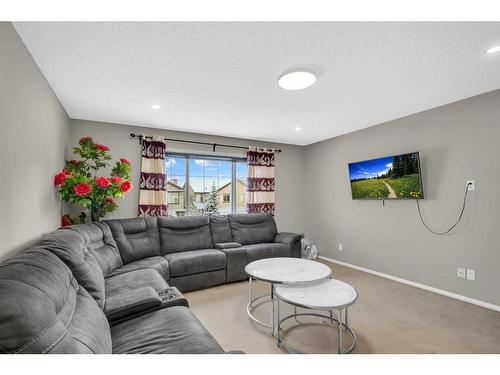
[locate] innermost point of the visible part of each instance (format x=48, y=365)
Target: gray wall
x=457, y=142
x=289, y=164
x=33, y=135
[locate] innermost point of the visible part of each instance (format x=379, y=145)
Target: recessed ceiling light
x=296, y=80
x=297, y=128
x=155, y=106
x=492, y=50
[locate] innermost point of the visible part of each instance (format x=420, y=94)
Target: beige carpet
x=388, y=317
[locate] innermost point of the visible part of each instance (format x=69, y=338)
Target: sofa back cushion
x=72, y=248
x=44, y=310
x=101, y=244
x=252, y=228
x=219, y=227
x=184, y=233
x=136, y=238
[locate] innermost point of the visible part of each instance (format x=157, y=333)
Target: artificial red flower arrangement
x=81, y=183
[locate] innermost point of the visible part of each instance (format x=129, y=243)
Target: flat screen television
x=390, y=177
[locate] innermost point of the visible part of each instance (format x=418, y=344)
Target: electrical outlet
x=471, y=275
x=341, y=248
x=461, y=272
x=471, y=185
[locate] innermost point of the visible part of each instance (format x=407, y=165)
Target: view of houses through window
x=198, y=185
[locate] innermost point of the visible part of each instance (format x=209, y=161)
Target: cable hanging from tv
x=456, y=223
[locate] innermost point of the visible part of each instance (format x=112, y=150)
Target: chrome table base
x=252, y=304
x=340, y=323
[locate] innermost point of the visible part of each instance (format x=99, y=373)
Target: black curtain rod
x=214, y=145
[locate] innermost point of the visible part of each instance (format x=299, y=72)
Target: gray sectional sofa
x=116, y=286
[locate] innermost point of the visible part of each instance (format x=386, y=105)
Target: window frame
x=173, y=194
x=188, y=156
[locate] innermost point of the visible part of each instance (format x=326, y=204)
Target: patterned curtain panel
x=153, y=184
x=260, y=184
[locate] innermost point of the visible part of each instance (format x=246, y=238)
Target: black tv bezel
x=387, y=199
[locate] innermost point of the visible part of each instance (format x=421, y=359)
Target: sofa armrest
x=290, y=239
x=131, y=303
x=227, y=245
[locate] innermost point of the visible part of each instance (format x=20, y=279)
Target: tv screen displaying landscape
x=391, y=177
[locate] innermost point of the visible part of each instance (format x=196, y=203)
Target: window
x=176, y=179
x=198, y=185
x=173, y=197
x=241, y=187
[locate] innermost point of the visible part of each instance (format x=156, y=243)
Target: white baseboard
x=416, y=285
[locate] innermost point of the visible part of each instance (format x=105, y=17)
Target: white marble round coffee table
x=289, y=271
x=326, y=295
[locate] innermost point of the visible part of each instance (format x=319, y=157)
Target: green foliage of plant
x=81, y=183
x=406, y=187
x=369, y=189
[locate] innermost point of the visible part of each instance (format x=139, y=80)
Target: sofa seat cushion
x=158, y=263
x=265, y=250
x=124, y=282
x=196, y=261
x=174, y=330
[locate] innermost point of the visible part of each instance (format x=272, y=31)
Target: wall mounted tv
x=391, y=177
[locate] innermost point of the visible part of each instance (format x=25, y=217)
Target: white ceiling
x=221, y=78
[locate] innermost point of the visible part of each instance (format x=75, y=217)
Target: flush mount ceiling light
x=298, y=80
x=492, y=50
x=155, y=106
x=297, y=128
